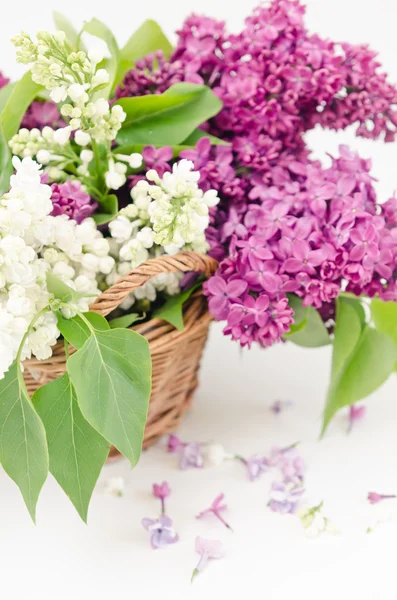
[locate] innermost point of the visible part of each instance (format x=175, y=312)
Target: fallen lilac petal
x=161, y=491
x=174, y=443
x=191, y=456
x=279, y=405
x=208, y=550
x=256, y=465
x=284, y=498
x=356, y=413
x=215, y=509
x=374, y=497
x=161, y=531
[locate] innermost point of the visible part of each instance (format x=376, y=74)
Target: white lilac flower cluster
x=74, y=79
x=166, y=216
x=32, y=244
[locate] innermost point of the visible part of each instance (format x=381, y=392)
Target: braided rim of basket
x=114, y=296
x=183, y=261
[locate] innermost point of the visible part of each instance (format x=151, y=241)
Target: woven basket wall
x=176, y=355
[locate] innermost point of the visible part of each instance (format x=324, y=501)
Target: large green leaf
x=63, y=24
x=111, y=374
x=346, y=334
x=197, y=134
x=167, y=119
x=22, y=95
x=5, y=93
x=77, y=452
x=148, y=38
x=188, y=144
x=172, y=309
x=357, y=375
x=384, y=315
x=76, y=331
x=100, y=30
x=23, y=446
x=308, y=330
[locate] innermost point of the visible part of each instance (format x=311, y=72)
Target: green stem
x=86, y=321
x=98, y=166
x=21, y=345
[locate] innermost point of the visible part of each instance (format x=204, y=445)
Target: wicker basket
x=175, y=355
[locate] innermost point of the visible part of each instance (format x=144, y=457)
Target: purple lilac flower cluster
x=285, y=223
x=70, y=199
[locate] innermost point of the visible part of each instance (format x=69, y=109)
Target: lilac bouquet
x=113, y=157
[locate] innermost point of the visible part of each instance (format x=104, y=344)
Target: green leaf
x=169, y=118
x=148, y=38
x=23, y=446
x=365, y=369
x=63, y=24
x=188, y=144
x=5, y=93
x=6, y=168
x=100, y=30
x=309, y=330
x=22, y=95
x=110, y=207
x=198, y=134
x=346, y=334
x=111, y=374
x=126, y=320
x=61, y=290
x=384, y=315
x=77, y=452
x=172, y=309
x=76, y=331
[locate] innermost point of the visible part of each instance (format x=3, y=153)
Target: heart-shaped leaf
x=172, y=309
x=23, y=445
x=362, y=361
x=63, y=24
x=308, y=330
x=77, y=452
x=384, y=315
x=100, y=30
x=76, y=331
x=22, y=95
x=169, y=118
x=111, y=374
x=148, y=38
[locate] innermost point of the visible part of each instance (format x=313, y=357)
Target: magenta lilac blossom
x=70, y=199
x=42, y=114
x=285, y=224
x=161, y=492
x=208, y=550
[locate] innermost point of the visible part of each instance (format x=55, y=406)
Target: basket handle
x=183, y=261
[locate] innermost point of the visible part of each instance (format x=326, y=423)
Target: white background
x=268, y=555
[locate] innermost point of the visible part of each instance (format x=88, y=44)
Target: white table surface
x=268, y=556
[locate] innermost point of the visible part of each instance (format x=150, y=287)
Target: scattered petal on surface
x=114, y=486
x=208, y=550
